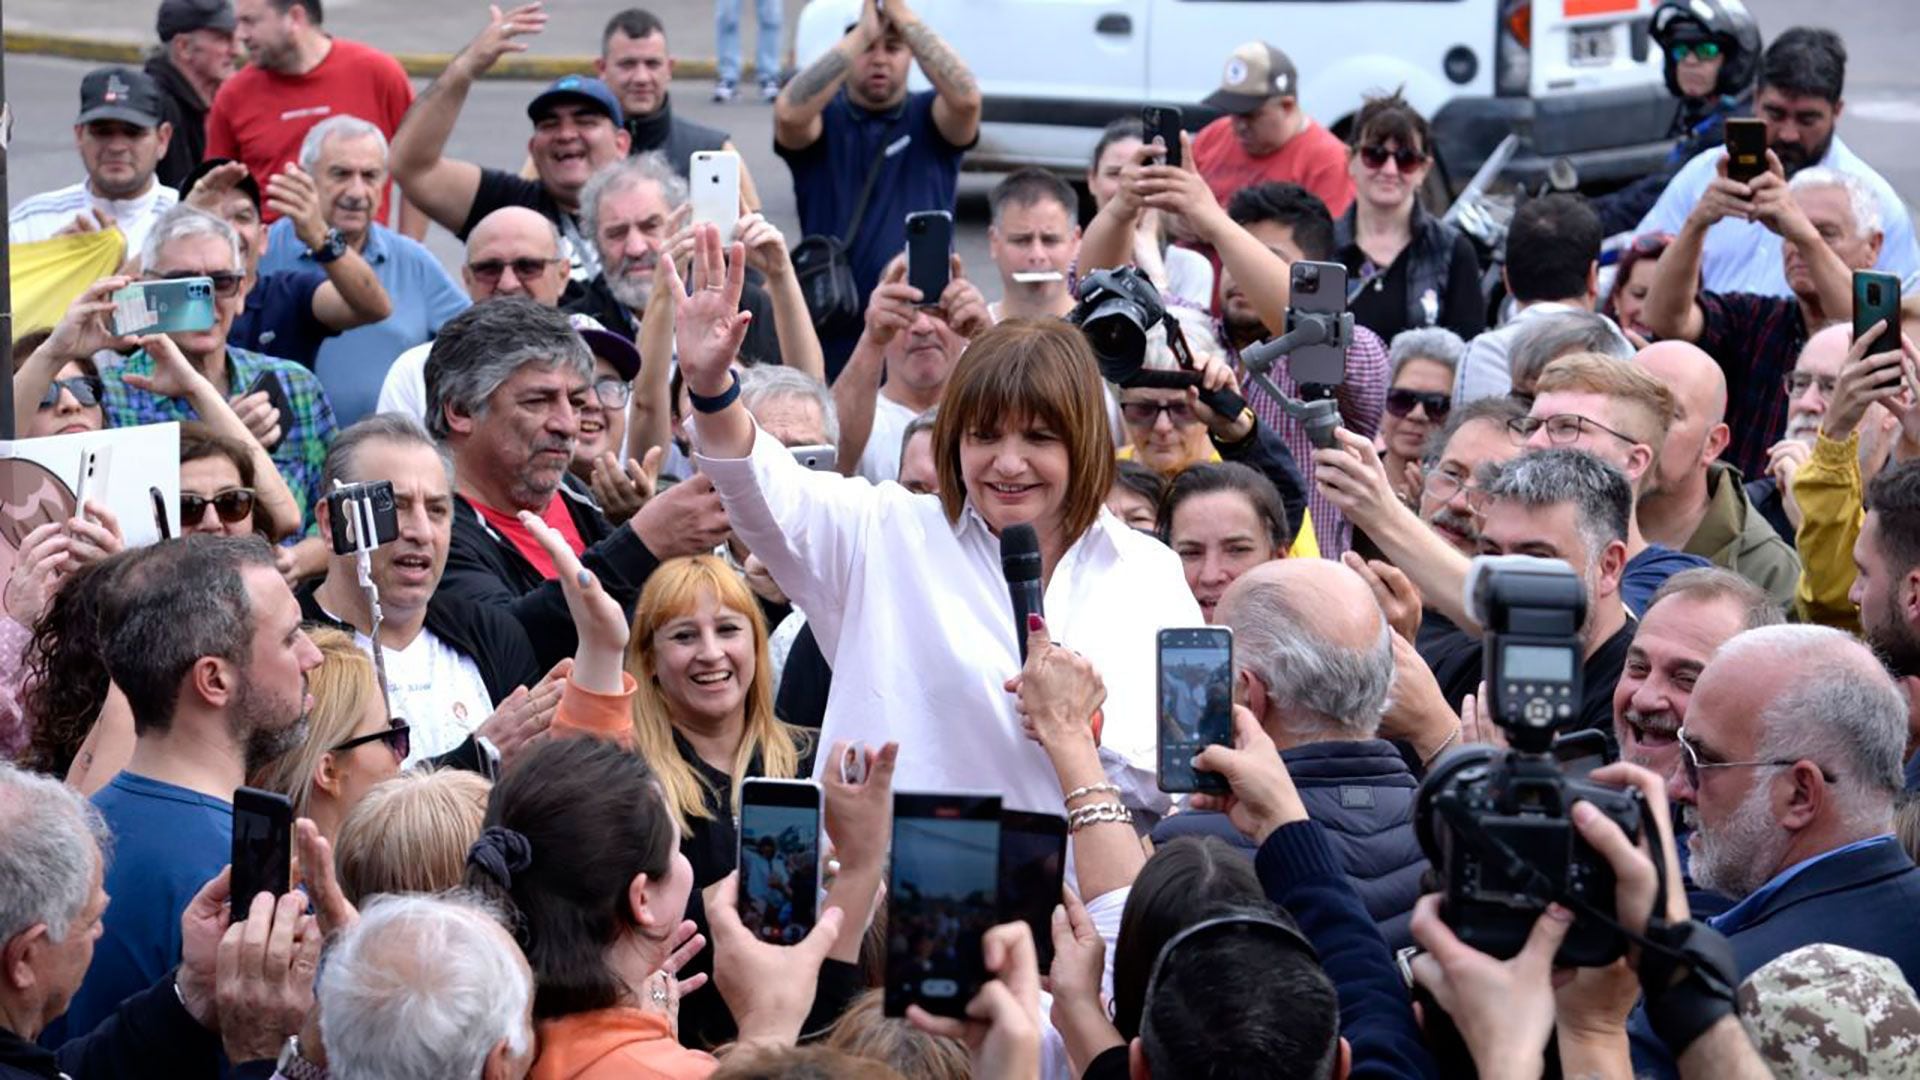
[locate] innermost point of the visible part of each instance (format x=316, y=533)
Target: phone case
x=95, y=468
x=1163, y=122
x=262, y=846
x=1319, y=287
x=714, y=176
x=163, y=307
x=1746, y=149
x=1876, y=302
x=929, y=246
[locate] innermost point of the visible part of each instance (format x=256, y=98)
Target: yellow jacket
x=1830, y=494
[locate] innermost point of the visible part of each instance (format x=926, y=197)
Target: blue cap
x=580, y=88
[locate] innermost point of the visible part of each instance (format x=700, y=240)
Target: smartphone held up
x=779, y=858
x=1195, y=695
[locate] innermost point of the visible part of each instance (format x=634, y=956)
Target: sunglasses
x=398, y=737
x=1704, y=50
x=489, y=270
x=233, y=505
x=1147, y=413
x=226, y=283
x=1401, y=402
x=86, y=389
x=1376, y=157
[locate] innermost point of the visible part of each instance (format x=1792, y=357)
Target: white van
x=1579, y=79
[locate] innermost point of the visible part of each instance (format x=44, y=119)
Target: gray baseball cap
x=184, y=16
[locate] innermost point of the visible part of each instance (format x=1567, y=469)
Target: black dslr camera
x=1497, y=827
x=1116, y=310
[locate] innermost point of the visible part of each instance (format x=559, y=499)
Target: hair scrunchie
x=501, y=852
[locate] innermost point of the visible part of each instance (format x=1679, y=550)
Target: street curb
x=418, y=65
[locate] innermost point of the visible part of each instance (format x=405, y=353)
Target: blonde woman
x=411, y=834
x=351, y=744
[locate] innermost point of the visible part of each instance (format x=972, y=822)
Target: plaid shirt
x=305, y=435
x=1755, y=340
x=1362, y=397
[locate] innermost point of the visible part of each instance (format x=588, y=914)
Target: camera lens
x=1873, y=293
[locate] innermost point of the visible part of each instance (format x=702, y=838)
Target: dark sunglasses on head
x=489, y=270
x=1376, y=156
x=233, y=505
x=1401, y=402
x=398, y=737
x=86, y=389
x=225, y=282
x=1705, y=50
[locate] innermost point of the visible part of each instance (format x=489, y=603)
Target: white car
x=1580, y=79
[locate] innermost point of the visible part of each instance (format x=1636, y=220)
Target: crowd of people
x=665, y=520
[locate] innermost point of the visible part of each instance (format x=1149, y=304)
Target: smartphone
x=943, y=895
x=821, y=458
x=362, y=510
x=94, y=464
x=779, y=858
x=276, y=392
x=1578, y=753
x=160, y=523
x=1746, y=149
x=1033, y=866
x=262, y=846
x=1163, y=122
x=929, y=249
x=1319, y=287
x=1876, y=314
x=164, y=306
x=714, y=176
x=1196, y=704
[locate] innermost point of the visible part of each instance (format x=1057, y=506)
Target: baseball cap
x=615, y=349
x=576, y=88
x=185, y=16
x=1825, y=1010
x=246, y=183
x=118, y=93
x=1254, y=73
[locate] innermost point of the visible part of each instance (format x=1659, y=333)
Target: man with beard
x=121, y=139
x=1833, y=227
x=848, y=118
x=347, y=160
x=1790, y=763
x=1886, y=587
x=1696, y=502
x=197, y=54
x=206, y=643
x=1802, y=75
x=1810, y=387
x=577, y=129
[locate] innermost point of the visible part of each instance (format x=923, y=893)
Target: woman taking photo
x=1405, y=267
x=906, y=592
x=1179, y=273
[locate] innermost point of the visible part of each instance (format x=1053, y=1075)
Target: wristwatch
x=294, y=1067
x=334, y=247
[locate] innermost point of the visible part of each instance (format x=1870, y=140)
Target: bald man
x=1314, y=661
x=1809, y=388
x=1697, y=503
x=513, y=251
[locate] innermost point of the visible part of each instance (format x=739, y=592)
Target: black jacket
x=677, y=138
x=484, y=569
x=491, y=638
x=150, y=1035
x=1362, y=794
x=180, y=105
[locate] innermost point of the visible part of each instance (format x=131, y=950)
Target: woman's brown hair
x=1036, y=371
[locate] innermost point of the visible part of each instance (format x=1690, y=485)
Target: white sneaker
x=724, y=91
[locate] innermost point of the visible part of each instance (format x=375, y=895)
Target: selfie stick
x=360, y=529
x=1316, y=407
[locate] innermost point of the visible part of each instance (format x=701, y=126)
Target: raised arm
x=708, y=329
x=766, y=250
x=81, y=332
x=1353, y=478
x=1775, y=207
x=1673, y=310
x=1109, y=238
x=796, y=112
x=444, y=187
x=890, y=312
x=956, y=108
x=352, y=295
x=1179, y=189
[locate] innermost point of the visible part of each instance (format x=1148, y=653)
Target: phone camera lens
x=1873, y=292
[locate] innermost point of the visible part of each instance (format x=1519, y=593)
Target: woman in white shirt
x=905, y=592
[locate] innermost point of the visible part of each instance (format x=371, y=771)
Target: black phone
x=357, y=510
x=1876, y=313
x=262, y=847
x=1319, y=288
x=1163, y=122
x=1195, y=692
x=1746, y=149
x=1033, y=867
x=929, y=247
x=1578, y=753
x=276, y=396
x=943, y=895
x=779, y=858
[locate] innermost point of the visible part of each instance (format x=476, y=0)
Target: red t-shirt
x=1314, y=159
x=259, y=117
x=555, y=515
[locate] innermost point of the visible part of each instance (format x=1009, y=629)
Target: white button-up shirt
x=912, y=611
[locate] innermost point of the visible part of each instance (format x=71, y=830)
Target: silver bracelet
x=1091, y=789
x=1444, y=743
x=1097, y=814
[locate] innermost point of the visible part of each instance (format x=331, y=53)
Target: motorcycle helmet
x=1724, y=22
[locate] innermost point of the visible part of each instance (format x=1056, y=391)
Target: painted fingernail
x=585, y=578
x=1035, y=623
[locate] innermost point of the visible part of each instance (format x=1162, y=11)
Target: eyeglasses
x=1442, y=486
x=489, y=270
x=1376, y=156
x=1562, y=429
x=398, y=737
x=226, y=283
x=1690, y=763
x=613, y=393
x=1147, y=413
x=1704, y=50
x=1401, y=402
x=233, y=505
x=86, y=389
x=1796, y=383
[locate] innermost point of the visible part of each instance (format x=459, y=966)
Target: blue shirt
x=167, y=843
x=1649, y=570
x=1744, y=256
x=352, y=364
x=279, y=318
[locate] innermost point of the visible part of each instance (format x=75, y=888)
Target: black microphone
x=1020, y=562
